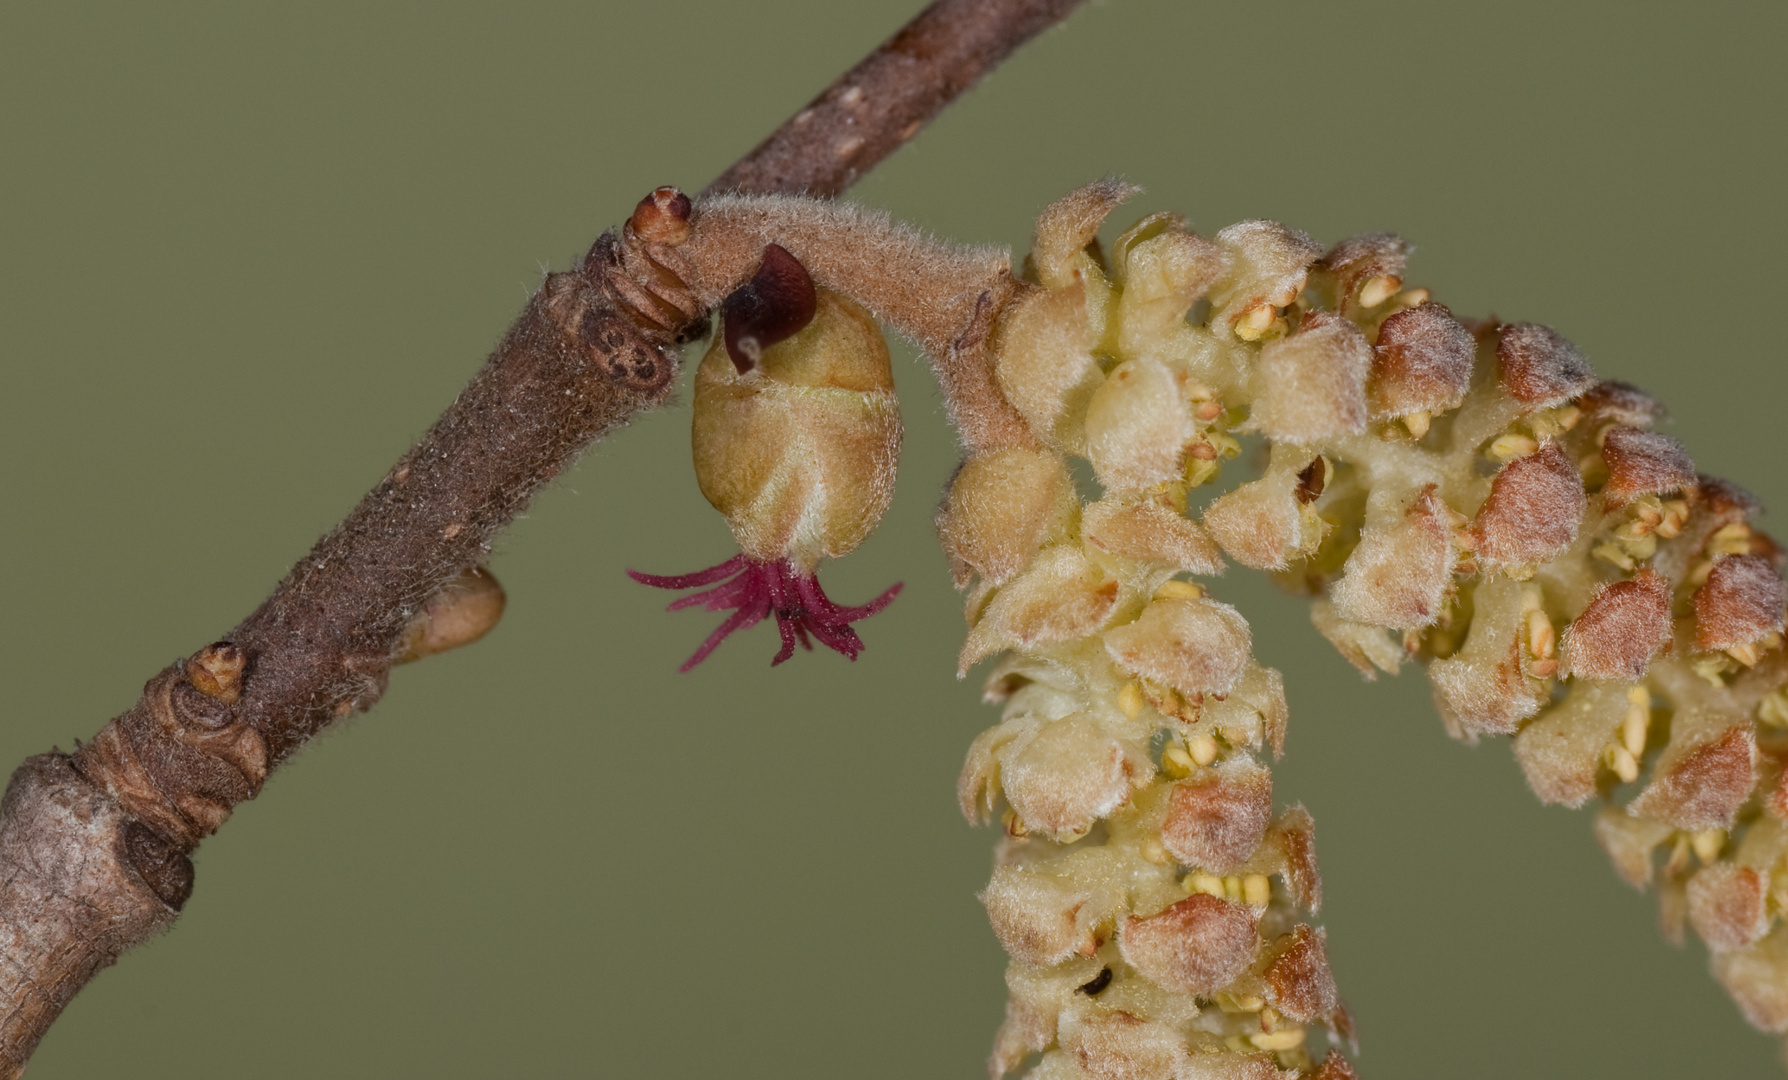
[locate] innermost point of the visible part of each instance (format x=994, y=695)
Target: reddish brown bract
x=1644, y=463
x=1626, y=625
x=1539, y=368
x=1742, y=600
x=1421, y=362
x=1728, y=905
x=1197, y=946
x=1216, y=821
x=1299, y=982
x=1535, y=506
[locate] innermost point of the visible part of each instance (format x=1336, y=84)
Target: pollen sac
x=1421, y=363
x=1535, y=507
x=1742, y=601
x=1365, y=271
x=1398, y=574
x=1644, y=463
x=1539, y=368
x=1268, y=266
x=1195, y=646
x=1626, y=625
x=1312, y=385
x=1215, y=821
x=1002, y=507
x=798, y=449
x=1197, y=946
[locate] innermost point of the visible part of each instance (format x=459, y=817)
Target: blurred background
x=248, y=252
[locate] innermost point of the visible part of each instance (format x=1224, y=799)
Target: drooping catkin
x=1464, y=493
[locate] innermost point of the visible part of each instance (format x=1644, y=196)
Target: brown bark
x=94, y=845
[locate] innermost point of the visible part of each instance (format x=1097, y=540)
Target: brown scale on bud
x=1742, y=602
x=216, y=672
x=1728, y=905
x=1197, y=946
x=1644, y=463
x=662, y=217
x=463, y=611
x=1366, y=270
x=1624, y=626
x=1298, y=980
x=1216, y=821
x=1421, y=363
x=1538, y=367
x=1312, y=384
x=1535, y=507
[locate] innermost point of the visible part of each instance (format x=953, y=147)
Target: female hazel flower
x=796, y=433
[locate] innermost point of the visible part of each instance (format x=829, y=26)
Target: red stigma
x=753, y=590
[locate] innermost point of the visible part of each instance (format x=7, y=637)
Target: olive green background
x=248, y=251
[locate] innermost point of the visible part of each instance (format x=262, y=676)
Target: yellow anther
x=1624, y=764
x=1617, y=555
x=1269, y=1018
x=1532, y=600
x=1634, y=726
x=1568, y=416
x=1200, y=882
x=1179, y=590
x=1733, y=539
x=1747, y=654
x=1283, y=1039
x=1707, y=844
x=1413, y=297
x=1208, y=411
x=1232, y=888
x=1679, y=856
x=1542, y=640
x=1154, y=851
x=1257, y=890
x=1417, y=423
x=1378, y=289
x=1773, y=709
x=1513, y=445
x=1713, y=668
x=1254, y=325
x=1131, y=701
x=1676, y=515
x=1203, y=749
x=1227, y=446
x=1175, y=762
x=1014, y=824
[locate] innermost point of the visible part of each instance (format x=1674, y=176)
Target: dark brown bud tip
x=216, y=672
x=775, y=305
x=662, y=217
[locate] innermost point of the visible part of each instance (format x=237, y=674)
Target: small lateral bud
x=1644, y=463
x=1421, y=363
x=1539, y=368
x=1535, y=506
x=1197, y=946
x=776, y=304
x=161, y=866
x=1742, y=601
x=662, y=217
x=465, y=609
x=1626, y=625
x=216, y=672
